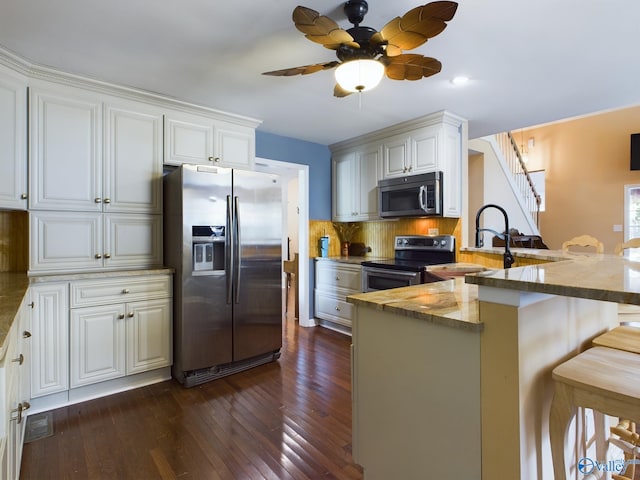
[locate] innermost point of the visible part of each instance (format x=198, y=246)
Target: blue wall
x=318, y=157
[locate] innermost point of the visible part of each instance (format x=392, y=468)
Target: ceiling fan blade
x=320, y=29
x=340, y=92
x=416, y=26
x=304, y=70
x=411, y=66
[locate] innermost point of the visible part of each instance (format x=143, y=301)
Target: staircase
x=509, y=155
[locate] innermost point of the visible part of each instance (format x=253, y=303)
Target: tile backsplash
x=380, y=235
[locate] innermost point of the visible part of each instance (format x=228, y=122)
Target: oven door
x=374, y=279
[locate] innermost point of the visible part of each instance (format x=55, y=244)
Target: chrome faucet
x=508, y=258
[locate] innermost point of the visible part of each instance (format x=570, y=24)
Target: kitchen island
x=453, y=380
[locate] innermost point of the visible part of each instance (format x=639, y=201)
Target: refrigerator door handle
x=237, y=250
x=228, y=252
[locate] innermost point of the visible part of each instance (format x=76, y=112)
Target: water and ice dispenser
x=208, y=248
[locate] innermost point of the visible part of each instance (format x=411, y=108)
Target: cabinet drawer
x=331, y=276
x=98, y=292
x=332, y=308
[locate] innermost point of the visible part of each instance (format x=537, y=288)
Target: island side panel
x=416, y=392
x=521, y=344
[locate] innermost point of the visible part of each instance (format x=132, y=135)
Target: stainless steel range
x=413, y=254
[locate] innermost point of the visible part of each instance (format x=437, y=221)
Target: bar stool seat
x=624, y=337
x=603, y=379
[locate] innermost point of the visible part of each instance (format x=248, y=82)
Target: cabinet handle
x=32, y=304
x=107, y=200
x=19, y=360
x=26, y=334
x=21, y=408
x=98, y=200
x=23, y=196
x=121, y=316
x=125, y=291
x=98, y=256
x=107, y=255
x=130, y=315
x=214, y=159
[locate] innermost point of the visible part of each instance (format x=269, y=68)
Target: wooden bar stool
x=583, y=241
x=603, y=379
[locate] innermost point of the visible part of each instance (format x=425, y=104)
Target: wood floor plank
x=287, y=420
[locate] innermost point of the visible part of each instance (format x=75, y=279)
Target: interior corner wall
x=587, y=163
x=317, y=156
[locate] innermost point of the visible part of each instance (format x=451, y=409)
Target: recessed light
x=460, y=80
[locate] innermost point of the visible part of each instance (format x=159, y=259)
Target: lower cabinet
x=334, y=281
x=111, y=341
x=14, y=401
x=93, y=331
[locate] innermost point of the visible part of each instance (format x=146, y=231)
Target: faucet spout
x=508, y=259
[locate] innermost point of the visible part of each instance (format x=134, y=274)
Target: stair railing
x=521, y=177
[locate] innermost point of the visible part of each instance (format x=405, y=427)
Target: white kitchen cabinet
x=14, y=401
x=49, y=338
x=355, y=181
x=111, y=340
x=13, y=142
x=201, y=140
x=77, y=241
x=76, y=165
x=335, y=281
x=397, y=156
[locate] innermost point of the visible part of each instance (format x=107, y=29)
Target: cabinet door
x=97, y=341
x=50, y=339
x=424, y=149
x=396, y=159
x=13, y=148
x=65, y=241
x=369, y=172
x=132, y=240
x=133, y=160
x=235, y=147
x=149, y=337
x=65, y=157
x=344, y=208
x=451, y=166
x=188, y=139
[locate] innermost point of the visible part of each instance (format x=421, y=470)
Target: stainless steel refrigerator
x=223, y=237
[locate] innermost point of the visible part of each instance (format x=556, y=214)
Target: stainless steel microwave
x=412, y=196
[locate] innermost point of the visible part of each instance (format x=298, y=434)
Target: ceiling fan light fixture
x=359, y=75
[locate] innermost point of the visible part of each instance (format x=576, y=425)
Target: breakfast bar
x=453, y=379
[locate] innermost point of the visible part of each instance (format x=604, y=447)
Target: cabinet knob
x=23, y=196
x=22, y=406
x=410, y=168
x=337, y=308
x=26, y=334
x=214, y=159
x=19, y=359
x=107, y=200
x=125, y=290
x=107, y=255
x=98, y=200
x=98, y=256
x=32, y=304
x=130, y=315
x=337, y=278
x=121, y=316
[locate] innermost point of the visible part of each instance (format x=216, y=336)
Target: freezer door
x=257, y=295
x=205, y=336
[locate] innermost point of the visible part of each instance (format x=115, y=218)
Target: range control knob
x=443, y=243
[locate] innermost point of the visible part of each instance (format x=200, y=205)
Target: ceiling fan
x=364, y=54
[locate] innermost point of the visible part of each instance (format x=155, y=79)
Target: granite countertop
x=69, y=277
x=535, y=253
x=451, y=303
x=13, y=287
x=596, y=276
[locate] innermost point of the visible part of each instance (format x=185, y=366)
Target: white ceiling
x=529, y=62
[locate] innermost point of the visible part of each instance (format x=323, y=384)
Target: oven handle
x=415, y=278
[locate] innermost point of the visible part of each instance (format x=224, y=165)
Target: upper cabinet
x=13, y=142
x=355, y=180
x=93, y=153
x=428, y=144
x=202, y=140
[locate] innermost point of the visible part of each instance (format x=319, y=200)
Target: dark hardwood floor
x=290, y=419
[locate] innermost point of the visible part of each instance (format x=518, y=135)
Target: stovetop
x=414, y=253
